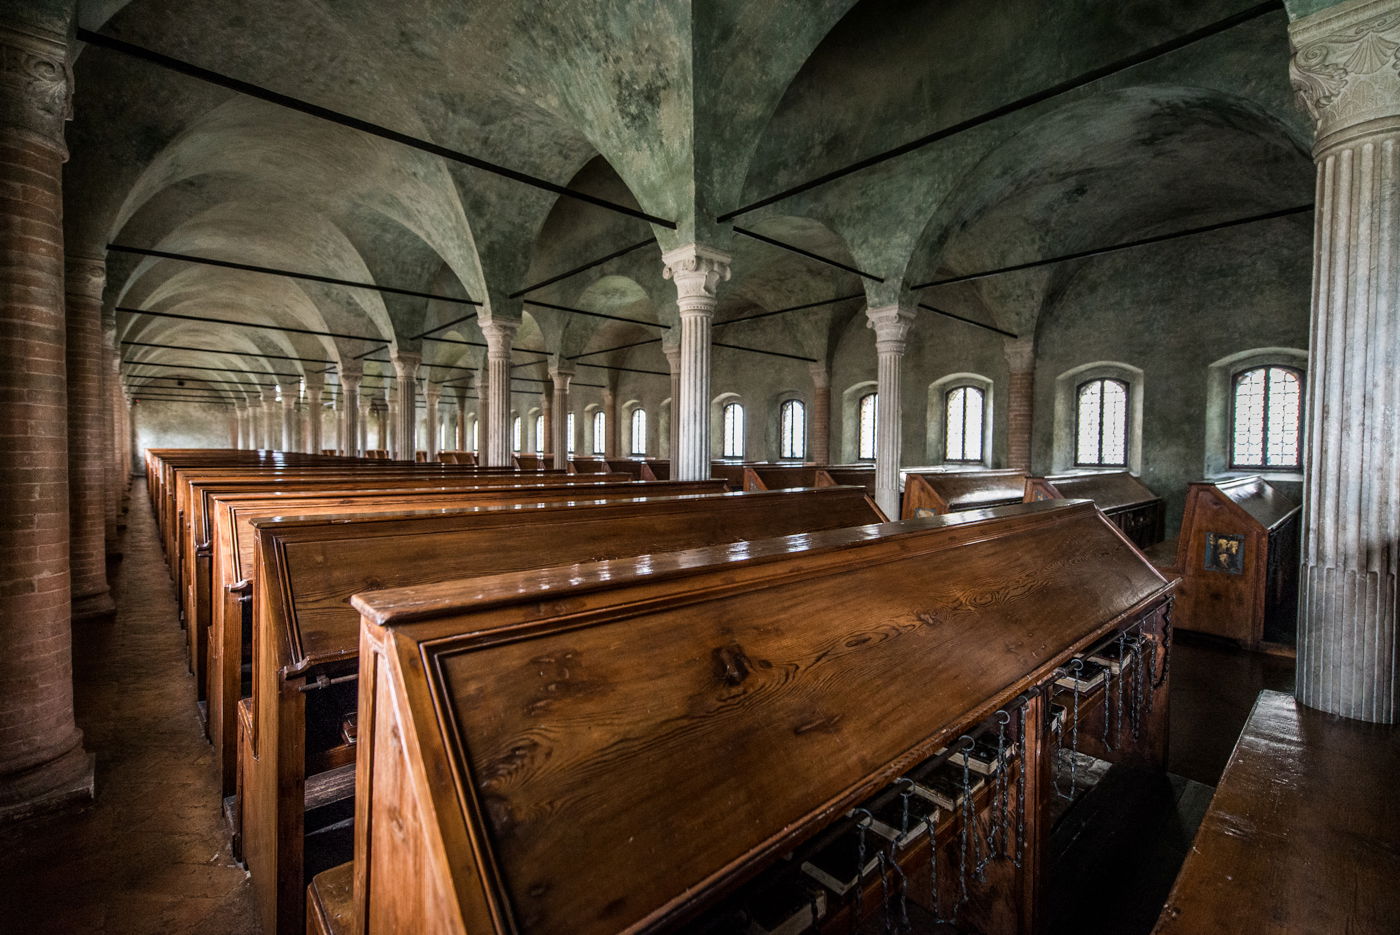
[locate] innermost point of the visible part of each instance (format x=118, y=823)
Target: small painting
x=1225, y=552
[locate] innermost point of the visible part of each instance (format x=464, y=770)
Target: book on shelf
x=786, y=906
x=944, y=785
x=1116, y=654
x=890, y=820
x=1090, y=676
x=1057, y=717
x=983, y=757
x=834, y=864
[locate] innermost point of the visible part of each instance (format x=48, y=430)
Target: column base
x=94, y=607
x=59, y=785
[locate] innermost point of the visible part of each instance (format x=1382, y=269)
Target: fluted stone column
x=499, y=335
x=270, y=425
x=432, y=392
x=461, y=419
x=350, y=405
x=389, y=422
x=1020, y=360
x=891, y=324
x=366, y=414
x=561, y=374
x=311, y=417
x=406, y=391
x=483, y=410
x=85, y=278
x=290, y=391
x=820, y=426
x=42, y=761
x=673, y=363
x=1345, y=73
x=697, y=271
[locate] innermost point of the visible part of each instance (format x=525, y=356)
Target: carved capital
x=697, y=271
x=84, y=277
x=891, y=324
x=406, y=364
x=1345, y=68
x=561, y=374
x=36, y=87
x=499, y=335
x=432, y=392
x=1020, y=354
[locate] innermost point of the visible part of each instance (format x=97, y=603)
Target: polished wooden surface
x=848, y=475
x=934, y=494
x=1125, y=499
x=329, y=907
x=1257, y=598
x=610, y=757
x=1302, y=834
x=304, y=627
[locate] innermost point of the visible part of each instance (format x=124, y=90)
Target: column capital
x=290, y=393
x=350, y=368
x=561, y=375
x=1020, y=354
x=406, y=362
x=38, y=86
x=85, y=276
x=1344, y=69
x=891, y=324
x=673, y=356
x=432, y=392
x=499, y=332
x=697, y=271
x=821, y=374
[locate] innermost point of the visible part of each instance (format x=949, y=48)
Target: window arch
x=639, y=431
x=1266, y=418
x=867, y=417
x=733, y=431
x=569, y=432
x=516, y=426
x=792, y=429
x=1101, y=423
x=600, y=431
x=964, y=414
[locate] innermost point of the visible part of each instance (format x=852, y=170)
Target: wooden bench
x=630, y=751
x=859, y=475
x=731, y=472
x=232, y=570
x=779, y=476
x=939, y=493
x=1125, y=499
x=1237, y=556
x=1301, y=835
x=588, y=466
x=457, y=457
x=306, y=633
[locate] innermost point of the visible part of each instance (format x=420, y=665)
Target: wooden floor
x=151, y=856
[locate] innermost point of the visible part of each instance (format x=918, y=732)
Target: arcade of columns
x=66, y=424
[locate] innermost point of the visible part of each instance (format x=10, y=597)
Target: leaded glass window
x=1268, y=414
x=963, y=417
x=1101, y=435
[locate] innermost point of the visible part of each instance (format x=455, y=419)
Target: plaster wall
x=1172, y=310
x=167, y=424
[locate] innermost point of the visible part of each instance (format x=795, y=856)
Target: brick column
x=1020, y=359
x=84, y=280
x=891, y=324
x=697, y=271
x=496, y=429
x=116, y=402
x=1344, y=72
x=42, y=761
x=820, y=426
x=111, y=490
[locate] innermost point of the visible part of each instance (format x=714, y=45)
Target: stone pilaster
x=561, y=374
x=673, y=363
x=499, y=335
x=1020, y=361
x=406, y=422
x=820, y=425
x=697, y=271
x=891, y=324
x=85, y=279
x=1346, y=74
x=42, y=761
x=311, y=416
x=431, y=394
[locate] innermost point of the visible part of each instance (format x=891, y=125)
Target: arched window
x=639, y=431
x=733, y=431
x=867, y=411
x=1267, y=419
x=792, y=429
x=600, y=431
x=569, y=432
x=515, y=429
x=962, y=427
x=539, y=434
x=1101, y=427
